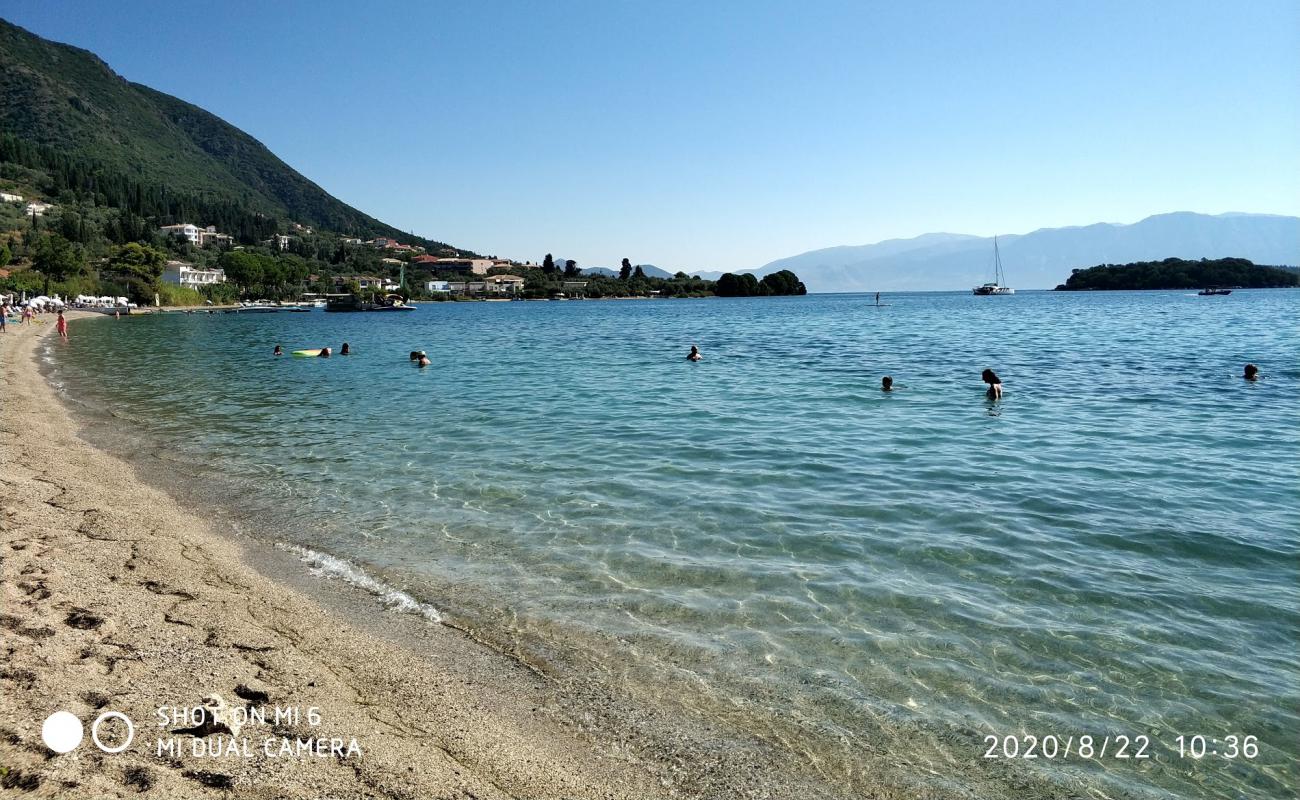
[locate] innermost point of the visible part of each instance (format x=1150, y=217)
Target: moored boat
x=392, y=302
x=996, y=286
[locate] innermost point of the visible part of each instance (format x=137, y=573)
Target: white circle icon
x=94, y=731
x=61, y=731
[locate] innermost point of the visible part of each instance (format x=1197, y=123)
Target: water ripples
x=1112, y=545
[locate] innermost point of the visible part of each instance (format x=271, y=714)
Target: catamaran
x=996, y=286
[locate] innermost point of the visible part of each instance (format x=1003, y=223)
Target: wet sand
x=118, y=598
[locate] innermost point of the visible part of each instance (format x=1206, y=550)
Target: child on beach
x=61, y=326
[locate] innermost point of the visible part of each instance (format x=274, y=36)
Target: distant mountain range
x=1042, y=259
x=65, y=98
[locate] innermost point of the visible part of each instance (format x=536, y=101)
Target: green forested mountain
x=62, y=104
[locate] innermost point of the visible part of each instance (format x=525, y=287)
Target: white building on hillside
x=37, y=208
x=186, y=231
x=209, y=235
x=5, y=197
x=182, y=274
x=195, y=235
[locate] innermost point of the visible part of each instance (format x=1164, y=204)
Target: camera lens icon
x=62, y=732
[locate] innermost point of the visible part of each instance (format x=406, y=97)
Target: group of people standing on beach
x=28, y=315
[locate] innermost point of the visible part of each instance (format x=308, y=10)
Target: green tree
x=570, y=269
x=57, y=259
x=294, y=271
x=638, y=273
x=72, y=227
x=625, y=272
x=141, y=266
x=783, y=282
x=548, y=264
x=5, y=255
x=140, y=261
x=242, y=268
x=742, y=285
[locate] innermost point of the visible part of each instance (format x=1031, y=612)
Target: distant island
x=1177, y=273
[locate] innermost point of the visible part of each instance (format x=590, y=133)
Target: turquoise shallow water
x=1111, y=549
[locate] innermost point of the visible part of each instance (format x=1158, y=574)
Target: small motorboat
x=1209, y=292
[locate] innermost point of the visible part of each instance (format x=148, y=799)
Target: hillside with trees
x=117, y=161
x=70, y=102
x=1177, y=273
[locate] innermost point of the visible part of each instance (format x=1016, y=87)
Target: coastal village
x=80, y=249
x=473, y=277
x=193, y=261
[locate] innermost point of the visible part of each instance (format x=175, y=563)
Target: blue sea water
x=866, y=578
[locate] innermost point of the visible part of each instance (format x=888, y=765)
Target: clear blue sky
x=727, y=134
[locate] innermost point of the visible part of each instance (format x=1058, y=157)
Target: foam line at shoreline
x=328, y=566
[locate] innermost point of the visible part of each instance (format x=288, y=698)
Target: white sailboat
x=996, y=286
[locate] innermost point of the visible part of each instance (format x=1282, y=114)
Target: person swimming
x=1251, y=372
x=424, y=361
x=345, y=350
x=324, y=352
x=994, y=382
x=416, y=355
x=886, y=384
x=695, y=354
x=278, y=351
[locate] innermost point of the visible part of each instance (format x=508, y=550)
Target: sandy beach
x=117, y=598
